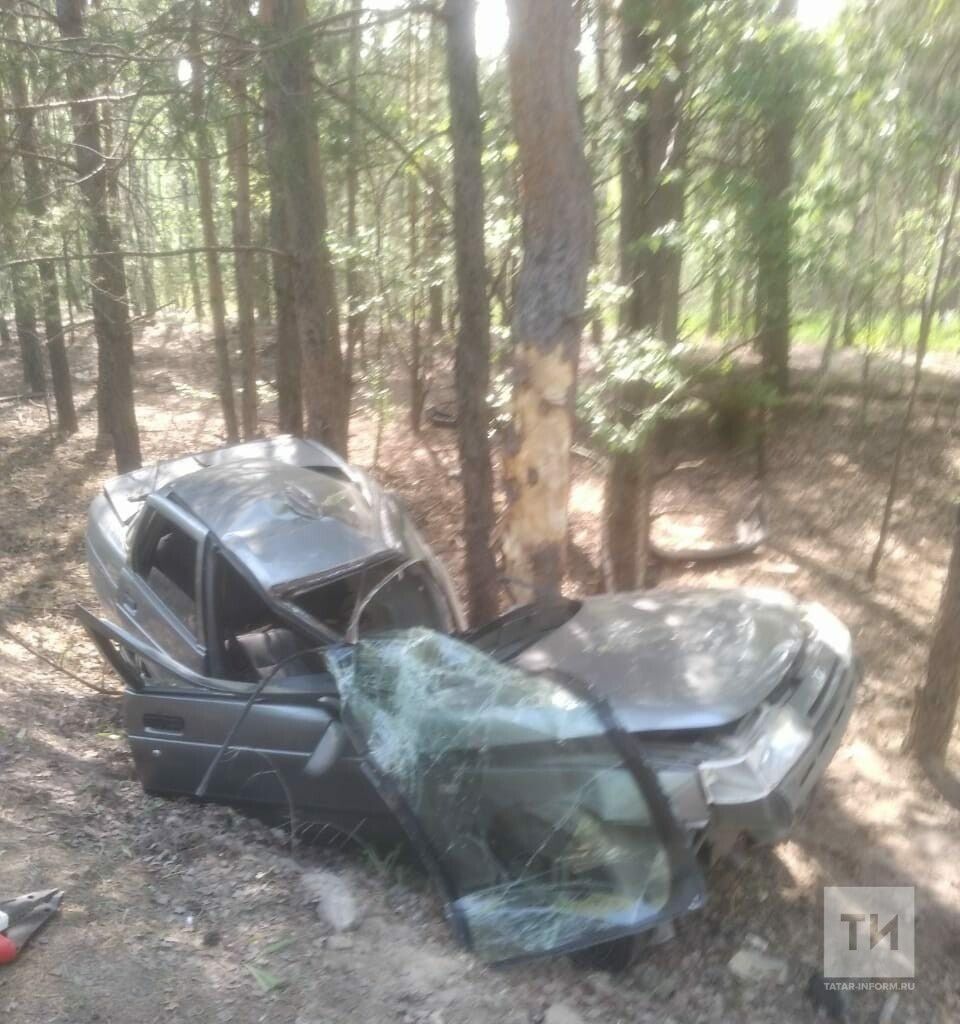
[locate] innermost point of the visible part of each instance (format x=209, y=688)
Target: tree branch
x=193, y=250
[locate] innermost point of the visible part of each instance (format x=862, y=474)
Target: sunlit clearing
x=586, y=496
x=492, y=28
x=818, y=13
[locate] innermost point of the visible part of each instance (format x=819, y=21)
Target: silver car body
x=739, y=698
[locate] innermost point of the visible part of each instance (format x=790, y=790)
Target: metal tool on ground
x=22, y=917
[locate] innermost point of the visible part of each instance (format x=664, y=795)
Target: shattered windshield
x=545, y=838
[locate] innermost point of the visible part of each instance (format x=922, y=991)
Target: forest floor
x=174, y=910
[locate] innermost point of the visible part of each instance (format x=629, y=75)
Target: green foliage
x=734, y=398
x=636, y=381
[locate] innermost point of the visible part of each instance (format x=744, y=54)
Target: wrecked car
x=287, y=639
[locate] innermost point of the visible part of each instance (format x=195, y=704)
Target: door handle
x=129, y=604
x=164, y=723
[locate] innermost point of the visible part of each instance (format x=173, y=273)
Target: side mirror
x=332, y=744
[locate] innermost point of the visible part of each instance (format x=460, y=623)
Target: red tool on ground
x=22, y=917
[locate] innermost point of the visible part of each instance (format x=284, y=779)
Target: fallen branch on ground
x=7, y=632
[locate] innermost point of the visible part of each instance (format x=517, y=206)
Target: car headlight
x=782, y=737
x=829, y=630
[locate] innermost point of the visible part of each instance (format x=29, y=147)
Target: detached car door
x=535, y=812
x=177, y=720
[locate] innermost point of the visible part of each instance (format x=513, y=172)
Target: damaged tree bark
x=557, y=211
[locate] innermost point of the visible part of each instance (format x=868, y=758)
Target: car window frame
x=213, y=618
x=143, y=546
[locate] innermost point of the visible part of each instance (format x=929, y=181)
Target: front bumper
x=757, y=780
x=771, y=817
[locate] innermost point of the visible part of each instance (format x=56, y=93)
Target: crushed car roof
x=290, y=510
x=126, y=492
x=287, y=524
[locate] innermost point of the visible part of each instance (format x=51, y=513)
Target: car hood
x=674, y=660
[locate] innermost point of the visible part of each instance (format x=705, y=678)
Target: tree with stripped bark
x=548, y=311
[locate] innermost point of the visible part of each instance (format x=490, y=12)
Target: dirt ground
x=176, y=911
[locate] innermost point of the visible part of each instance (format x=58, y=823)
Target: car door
x=179, y=723
x=159, y=591
x=544, y=828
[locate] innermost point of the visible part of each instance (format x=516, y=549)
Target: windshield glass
x=544, y=833
x=408, y=599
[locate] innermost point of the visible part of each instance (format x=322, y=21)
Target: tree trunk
x=36, y=184
x=900, y=311
x=557, y=213
x=144, y=233
x=356, y=318
x=24, y=311
x=649, y=206
x=436, y=309
x=263, y=273
x=238, y=143
x=418, y=391
x=436, y=242
x=626, y=519
x=715, y=320
x=70, y=290
x=25, y=318
x=774, y=229
x=826, y=358
x=923, y=338
x=675, y=186
x=135, y=195
x=294, y=152
x=831, y=341
x=111, y=316
x=473, y=331
x=849, y=331
x=935, y=704
x=57, y=349
x=196, y=292
x=289, y=395
x=218, y=308
x=746, y=326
